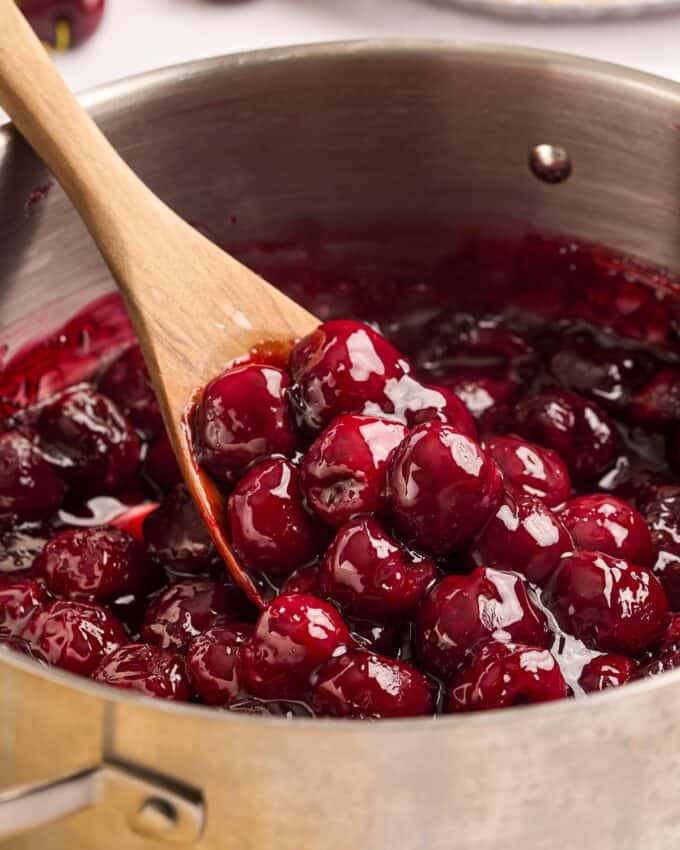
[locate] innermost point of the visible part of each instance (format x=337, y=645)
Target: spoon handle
x=48, y=115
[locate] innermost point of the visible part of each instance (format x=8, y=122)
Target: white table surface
x=138, y=35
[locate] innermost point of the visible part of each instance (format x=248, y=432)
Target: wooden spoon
x=192, y=306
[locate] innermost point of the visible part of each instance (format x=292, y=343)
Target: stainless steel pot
x=347, y=135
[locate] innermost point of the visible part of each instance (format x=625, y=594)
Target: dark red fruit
x=530, y=469
x=271, y=529
x=579, y=431
x=525, y=536
x=89, y=439
x=344, y=367
x=610, y=604
x=93, y=564
x=76, y=636
x=63, y=23
x=503, y=675
x=293, y=636
x=242, y=417
x=461, y=611
x=663, y=519
x=343, y=473
x=603, y=523
x=657, y=404
x=149, y=670
x=175, y=534
x=30, y=489
x=442, y=488
x=361, y=684
x=18, y=602
x=214, y=661
x=160, y=463
x=480, y=394
x=126, y=381
x=415, y=403
x=607, y=671
x=370, y=575
x=185, y=609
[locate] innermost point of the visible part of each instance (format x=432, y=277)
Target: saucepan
x=346, y=136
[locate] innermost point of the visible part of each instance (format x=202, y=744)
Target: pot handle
x=155, y=806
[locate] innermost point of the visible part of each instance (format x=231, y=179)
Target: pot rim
x=484, y=53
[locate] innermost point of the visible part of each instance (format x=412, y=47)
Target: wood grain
x=193, y=306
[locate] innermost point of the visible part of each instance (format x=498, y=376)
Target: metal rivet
x=550, y=163
x=155, y=818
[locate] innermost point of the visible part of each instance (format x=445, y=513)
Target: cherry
x=343, y=367
x=175, y=533
x=657, y=403
x=370, y=576
x=606, y=524
x=442, y=487
x=524, y=535
x=502, y=675
x=414, y=403
x=213, y=662
x=30, y=488
x=93, y=564
x=76, y=636
x=662, y=515
x=304, y=580
x=530, y=469
x=460, y=611
x=608, y=603
x=160, y=463
x=187, y=608
x=242, y=417
x=293, y=636
x=271, y=529
x=578, y=430
x=147, y=669
x=89, y=440
x=480, y=394
x=343, y=473
x=126, y=381
x=607, y=671
x=18, y=601
x=361, y=684
x=64, y=23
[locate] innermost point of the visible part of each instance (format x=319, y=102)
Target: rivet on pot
x=155, y=818
x=550, y=163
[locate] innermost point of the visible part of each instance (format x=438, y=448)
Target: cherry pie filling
x=464, y=499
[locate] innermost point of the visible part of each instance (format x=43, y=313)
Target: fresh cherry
x=150, y=670
x=502, y=675
x=461, y=611
x=93, y=564
x=214, y=660
x=293, y=636
x=361, y=684
x=606, y=524
x=272, y=531
x=608, y=603
x=442, y=488
x=243, y=417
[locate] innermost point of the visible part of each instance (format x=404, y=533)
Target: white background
x=137, y=35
